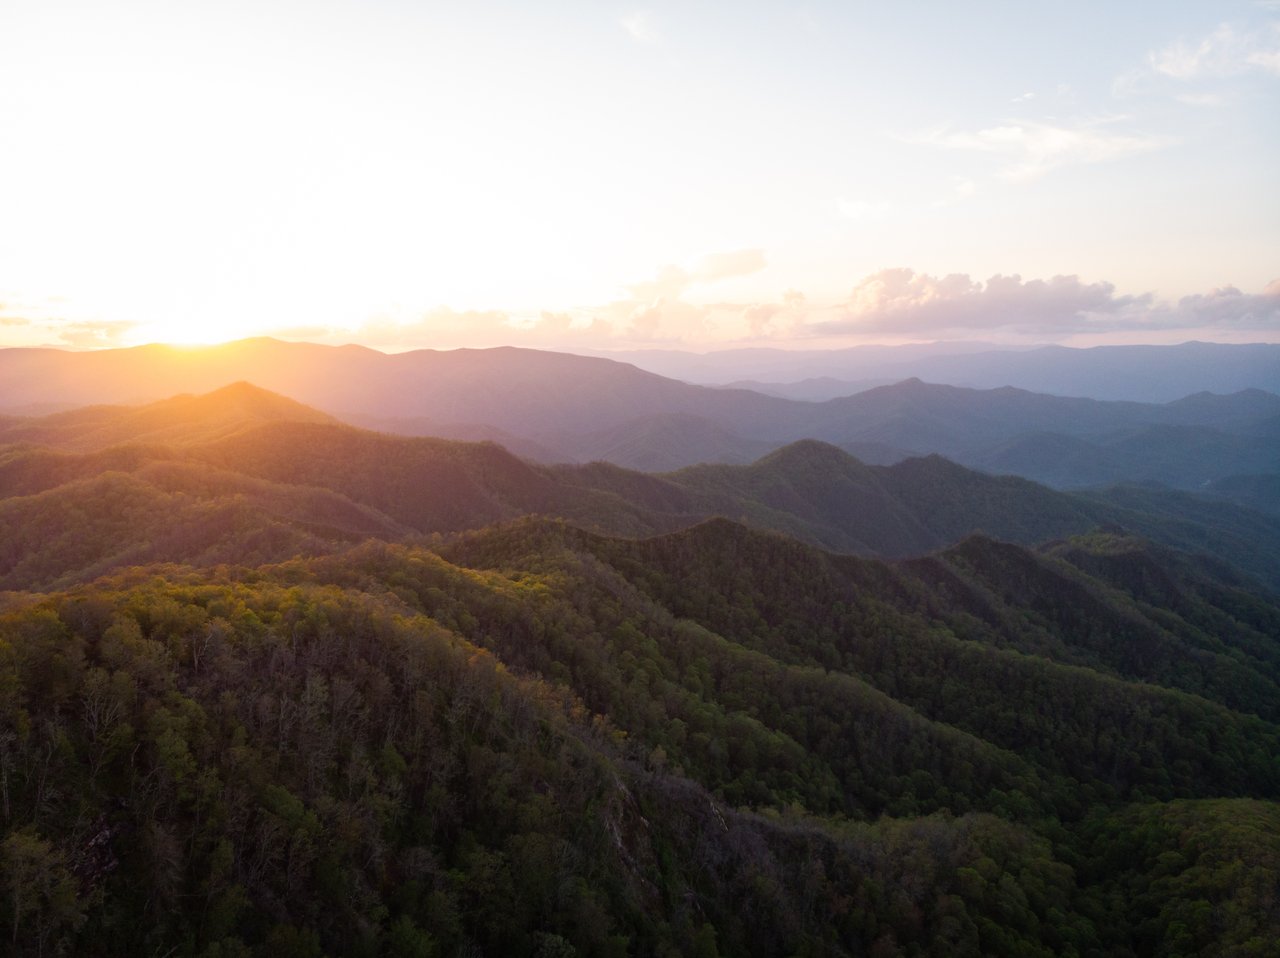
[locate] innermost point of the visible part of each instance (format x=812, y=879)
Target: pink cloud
x=903, y=302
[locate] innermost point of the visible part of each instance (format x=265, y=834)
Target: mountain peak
x=809, y=453
x=179, y=419
x=236, y=403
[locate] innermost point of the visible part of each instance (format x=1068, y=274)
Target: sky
x=612, y=175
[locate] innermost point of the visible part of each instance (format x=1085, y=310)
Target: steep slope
x=538, y=739
x=1255, y=492
x=169, y=511
x=1186, y=457
x=1141, y=612
x=351, y=769
x=1195, y=523
x=952, y=501
x=816, y=491
x=796, y=605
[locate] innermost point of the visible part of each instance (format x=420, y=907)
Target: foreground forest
x=270, y=685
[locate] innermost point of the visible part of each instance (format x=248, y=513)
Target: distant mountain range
x=555, y=407
x=166, y=474
x=1136, y=373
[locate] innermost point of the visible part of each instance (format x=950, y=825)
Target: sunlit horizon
x=655, y=176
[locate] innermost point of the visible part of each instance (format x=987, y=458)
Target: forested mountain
x=309, y=485
x=183, y=420
x=272, y=684
x=540, y=741
x=1258, y=492
x=556, y=407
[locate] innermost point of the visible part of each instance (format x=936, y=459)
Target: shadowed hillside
x=315, y=481
x=562, y=407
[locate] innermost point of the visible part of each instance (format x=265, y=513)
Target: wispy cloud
x=1228, y=51
x=641, y=26
x=93, y=334
x=8, y=319
x=671, y=281
x=1032, y=149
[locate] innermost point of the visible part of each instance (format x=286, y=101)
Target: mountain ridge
x=809, y=489
x=554, y=406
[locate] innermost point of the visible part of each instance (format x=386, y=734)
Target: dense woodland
x=288, y=688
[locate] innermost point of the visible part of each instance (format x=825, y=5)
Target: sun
x=189, y=332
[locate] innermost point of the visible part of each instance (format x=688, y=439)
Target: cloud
x=641, y=27
x=1268, y=59
x=905, y=303
x=667, y=320
x=1227, y=51
x=554, y=322
x=1032, y=149
x=654, y=311
x=1228, y=307
x=897, y=304
x=8, y=319
x=93, y=334
x=777, y=320
x=440, y=328
x=1024, y=98
x=759, y=318
x=671, y=281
